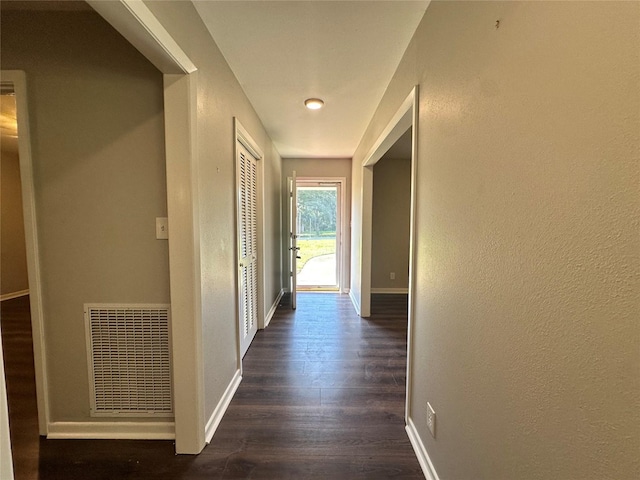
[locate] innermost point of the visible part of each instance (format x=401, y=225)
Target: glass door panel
x=318, y=222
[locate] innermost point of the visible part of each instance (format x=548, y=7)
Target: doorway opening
x=20, y=299
x=391, y=220
x=319, y=230
x=404, y=121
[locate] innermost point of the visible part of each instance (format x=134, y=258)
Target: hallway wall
x=526, y=334
x=390, y=223
x=97, y=134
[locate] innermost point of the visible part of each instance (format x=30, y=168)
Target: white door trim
x=180, y=110
x=292, y=217
x=342, y=227
x=18, y=80
x=139, y=26
x=242, y=136
x=136, y=23
x=399, y=123
x=405, y=117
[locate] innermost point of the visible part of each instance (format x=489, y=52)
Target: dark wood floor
x=17, y=348
x=322, y=397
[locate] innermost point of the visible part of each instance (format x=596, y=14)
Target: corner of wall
x=221, y=408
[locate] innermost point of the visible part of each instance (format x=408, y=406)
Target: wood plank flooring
x=17, y=348
x=322, y=397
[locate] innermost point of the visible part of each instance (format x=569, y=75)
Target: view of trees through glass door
x=318, y=235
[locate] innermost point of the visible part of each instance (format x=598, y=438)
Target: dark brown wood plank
x=322, y=397
x=17, y=348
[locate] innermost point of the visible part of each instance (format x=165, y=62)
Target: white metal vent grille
x=129, y=359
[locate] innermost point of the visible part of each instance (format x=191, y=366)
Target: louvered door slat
x=248, y=243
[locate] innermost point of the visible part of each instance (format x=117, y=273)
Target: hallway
x=322, y=396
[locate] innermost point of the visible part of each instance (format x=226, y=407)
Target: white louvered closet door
x=248, y=264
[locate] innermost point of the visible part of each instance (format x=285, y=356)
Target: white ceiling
x=283, y=52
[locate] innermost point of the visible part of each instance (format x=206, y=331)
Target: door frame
x=405, y=117
x=17, y=78
x=341, y=256
x=292, y=216
x=242, y=136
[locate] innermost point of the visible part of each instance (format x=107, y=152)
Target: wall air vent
x=129, y=356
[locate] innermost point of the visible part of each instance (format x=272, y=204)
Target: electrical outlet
x=392, y=275
x=431, y=420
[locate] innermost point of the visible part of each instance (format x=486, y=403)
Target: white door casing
x=405, y=118
x=16, y=79
x=339, y=184
x=249, y=239
x=293, y=238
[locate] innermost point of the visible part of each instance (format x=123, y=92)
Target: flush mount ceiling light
x=313, y=103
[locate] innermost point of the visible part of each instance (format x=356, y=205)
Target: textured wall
x=13, y=268
x=391, y=221
x=97, y=135
x=527, y=340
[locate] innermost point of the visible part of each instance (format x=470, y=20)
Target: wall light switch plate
x=392, y=275
x=162, y=228
x=431, y=420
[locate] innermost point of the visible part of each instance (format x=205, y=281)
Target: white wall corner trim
x=421, y=452
x=141, y=28
x=221, y=408
x=273, y=308
x=9, y=296
x=112, y=430
x=355, y=302
x=19, y=81
x=391, y=291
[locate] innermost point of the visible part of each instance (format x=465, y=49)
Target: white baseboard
x=354, y=300
x=112, y=430
x=9, y=296
x=269, y=316
x=222, y=406
x=421, y=452
x=394, y=291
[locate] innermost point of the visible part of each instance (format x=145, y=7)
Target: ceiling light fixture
x=313, y=103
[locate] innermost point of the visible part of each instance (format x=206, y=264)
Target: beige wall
x=315, y=168
x=220, y=99
x=273, y=230
x=527, y=341
x=97, y=136
x=390, y=224
x=12, y=249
